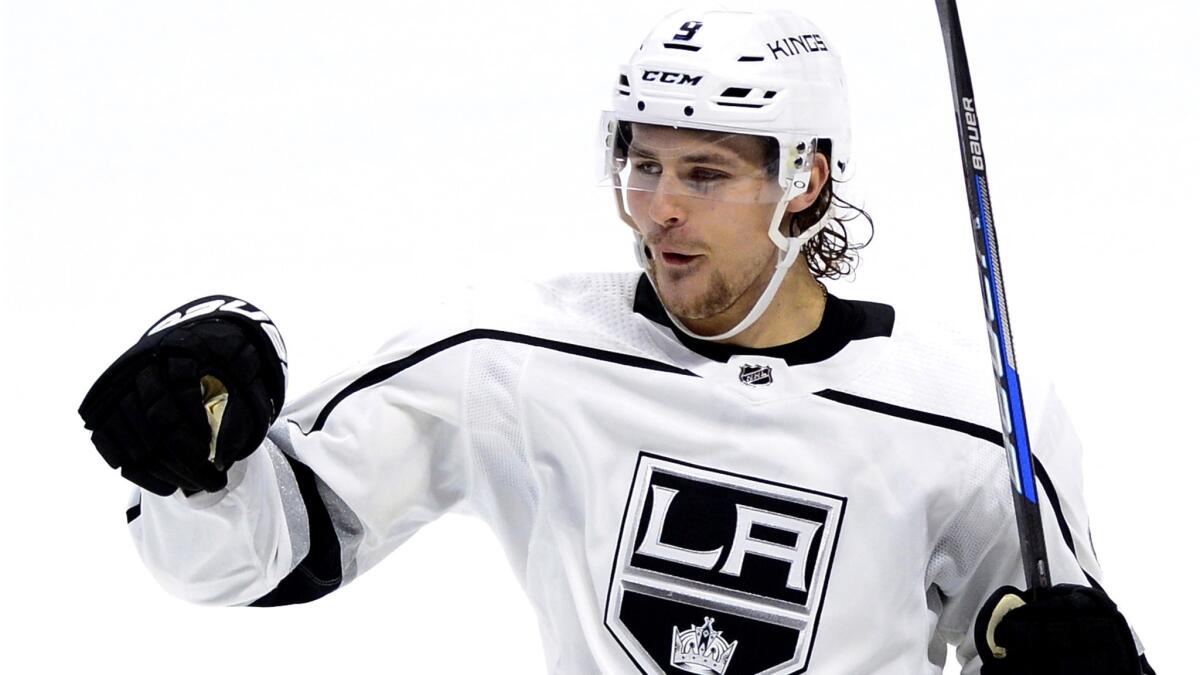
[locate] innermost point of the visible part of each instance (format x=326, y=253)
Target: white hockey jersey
x=836, y=506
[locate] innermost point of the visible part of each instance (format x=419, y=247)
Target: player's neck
x=794, y=313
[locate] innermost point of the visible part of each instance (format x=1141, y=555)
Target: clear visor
x=643, y=158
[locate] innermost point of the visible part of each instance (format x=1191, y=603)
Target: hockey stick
x=991, y=281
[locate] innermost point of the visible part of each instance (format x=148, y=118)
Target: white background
x=341, y=164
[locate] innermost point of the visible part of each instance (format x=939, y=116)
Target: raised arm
x=285, y=515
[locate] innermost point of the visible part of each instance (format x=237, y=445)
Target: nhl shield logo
x=718, y=573
x=754, y=375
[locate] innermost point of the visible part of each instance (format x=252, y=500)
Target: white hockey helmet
x=765, y=73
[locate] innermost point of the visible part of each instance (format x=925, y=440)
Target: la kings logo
x=718, y=573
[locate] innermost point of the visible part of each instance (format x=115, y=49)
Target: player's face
x=702, y=204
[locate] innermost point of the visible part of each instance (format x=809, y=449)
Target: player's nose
x=667, y=209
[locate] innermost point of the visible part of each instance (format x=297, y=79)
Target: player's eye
x=701, y=174
x=705, y=180
x=647, y=168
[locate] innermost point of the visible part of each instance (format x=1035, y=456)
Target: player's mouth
x=674, y=259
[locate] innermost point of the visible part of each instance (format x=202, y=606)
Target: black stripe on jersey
x=132, y=513
x=320, y=573
x=969, y=428
x=388, y=370
x=1051, y=495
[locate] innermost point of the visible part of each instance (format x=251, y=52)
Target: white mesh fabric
x=504, y=491
x=937, y=368
x=607, y=300
x=593, y=310
x=966, y=563
x=600, y=305
x=968, y=536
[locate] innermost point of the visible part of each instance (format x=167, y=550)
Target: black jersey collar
x=843, y=322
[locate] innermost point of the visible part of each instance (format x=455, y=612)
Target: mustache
x=662, y=240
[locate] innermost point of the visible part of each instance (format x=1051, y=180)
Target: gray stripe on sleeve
x=348, y=528
x=294, y=512
x=346, y=525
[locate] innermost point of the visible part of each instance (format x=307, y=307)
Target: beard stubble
x=719, y=295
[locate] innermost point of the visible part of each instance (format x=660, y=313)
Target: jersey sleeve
x=348, y=473
x=978, y=551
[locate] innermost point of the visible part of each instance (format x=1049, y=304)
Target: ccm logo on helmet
x=800, y=44
x=667, y=77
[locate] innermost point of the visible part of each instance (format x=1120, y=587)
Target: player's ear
x=820, y=174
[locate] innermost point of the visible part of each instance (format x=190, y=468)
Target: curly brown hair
x=830, y=253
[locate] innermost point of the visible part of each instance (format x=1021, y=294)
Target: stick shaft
x=991, y=282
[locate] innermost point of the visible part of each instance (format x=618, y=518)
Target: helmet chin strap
x=790, y=248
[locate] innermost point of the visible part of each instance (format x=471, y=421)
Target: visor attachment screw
x=687, y=111
x=800, y=159
x=641, y=105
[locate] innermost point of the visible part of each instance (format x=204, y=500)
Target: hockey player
x=713, y=467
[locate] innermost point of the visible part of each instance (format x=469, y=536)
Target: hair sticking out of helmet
x=769, y=80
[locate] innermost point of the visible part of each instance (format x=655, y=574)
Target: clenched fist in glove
x=1066, y=630
x=194, y=395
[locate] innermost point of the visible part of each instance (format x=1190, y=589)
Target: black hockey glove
x=1067, y=630
x=212, y=370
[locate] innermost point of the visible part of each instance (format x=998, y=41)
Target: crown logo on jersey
x=754, y=375
x=701, y=650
